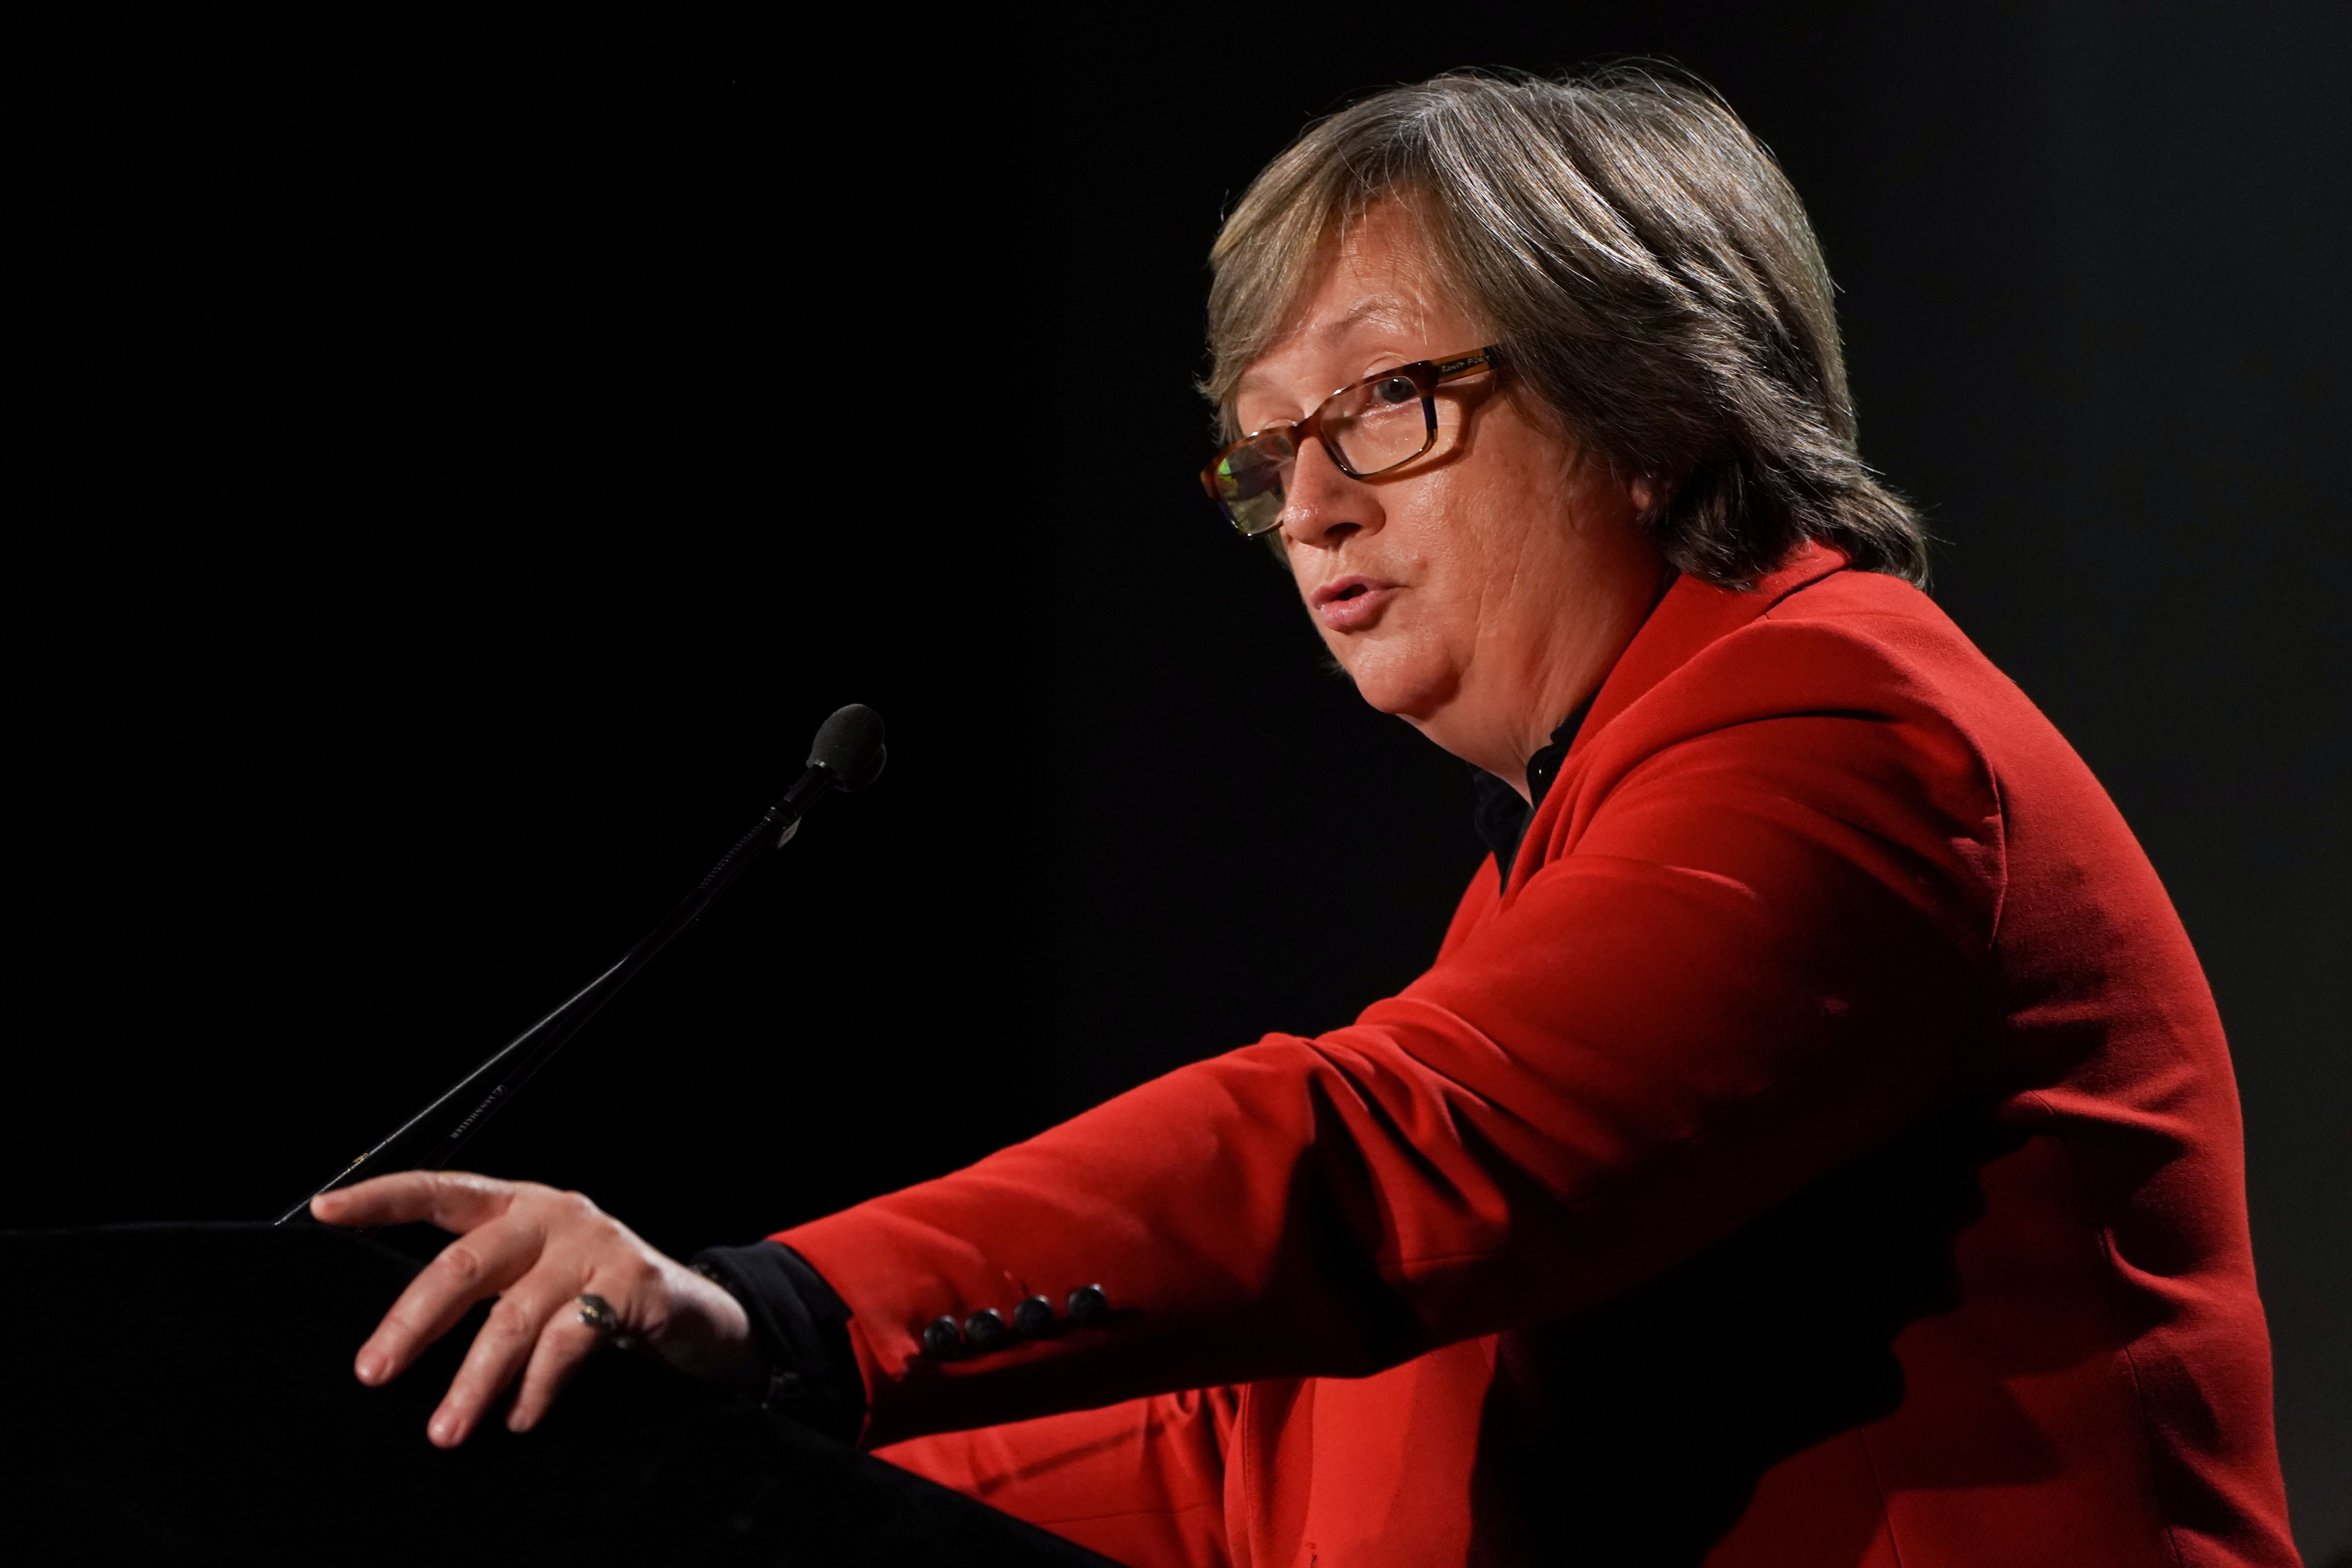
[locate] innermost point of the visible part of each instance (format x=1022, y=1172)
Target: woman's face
x=1482, y=591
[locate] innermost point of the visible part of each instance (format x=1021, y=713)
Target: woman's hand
x=538, y=1251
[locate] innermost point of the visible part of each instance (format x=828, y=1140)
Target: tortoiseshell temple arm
x=1447, y=369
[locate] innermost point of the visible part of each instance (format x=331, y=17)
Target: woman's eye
x=1395, y=389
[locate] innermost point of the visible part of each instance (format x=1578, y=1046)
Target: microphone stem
x=512, y=1066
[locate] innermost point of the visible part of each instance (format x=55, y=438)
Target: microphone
x=847, y=755
x=848, y=747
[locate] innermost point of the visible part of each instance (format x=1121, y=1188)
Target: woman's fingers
x=454, y=1200
x=483, y=1262
x=562, y=1345
x=510, y=1338
x=537, y=1325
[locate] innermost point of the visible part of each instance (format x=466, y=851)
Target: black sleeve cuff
x=803, y=1332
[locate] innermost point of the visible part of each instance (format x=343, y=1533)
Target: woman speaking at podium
x=1813, y=1143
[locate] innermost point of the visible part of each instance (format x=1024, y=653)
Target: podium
x=184, y=1393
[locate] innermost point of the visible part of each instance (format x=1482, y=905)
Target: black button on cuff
x=943, y=1338
x=986, y=1330
x=1034, y=1317
x=1088, y=1306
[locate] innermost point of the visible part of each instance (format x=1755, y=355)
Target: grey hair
x=1649, y=275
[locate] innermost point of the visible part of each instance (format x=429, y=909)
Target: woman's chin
x=1410, y=688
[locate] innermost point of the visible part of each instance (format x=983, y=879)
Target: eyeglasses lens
x=1379, y=425
x=1249, y=481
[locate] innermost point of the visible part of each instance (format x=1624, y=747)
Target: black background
x=459, y=472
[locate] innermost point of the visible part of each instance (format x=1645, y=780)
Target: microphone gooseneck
x=847, y=755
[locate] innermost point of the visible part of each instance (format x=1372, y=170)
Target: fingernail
x=444, y=1429
x=370, y=1368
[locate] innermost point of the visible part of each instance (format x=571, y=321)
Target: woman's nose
x=1321, y=505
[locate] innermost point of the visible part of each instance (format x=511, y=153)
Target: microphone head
x=849, y=746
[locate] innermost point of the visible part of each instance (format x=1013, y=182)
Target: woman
x=1814, y=1141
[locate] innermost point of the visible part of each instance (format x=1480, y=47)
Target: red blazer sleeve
x=1739, y=951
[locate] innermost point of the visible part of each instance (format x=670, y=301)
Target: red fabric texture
x=1476, y=1278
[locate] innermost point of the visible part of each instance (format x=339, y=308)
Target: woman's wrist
x=800, y=1330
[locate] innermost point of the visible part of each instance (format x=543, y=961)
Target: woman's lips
x=1352, y=604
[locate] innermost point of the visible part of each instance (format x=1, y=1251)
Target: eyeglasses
x=1379, y=422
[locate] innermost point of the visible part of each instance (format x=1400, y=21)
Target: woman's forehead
x=1334, y=317
x=1346, y=311
x=1374, y=271
x=1361, y=291
x=1351, y=313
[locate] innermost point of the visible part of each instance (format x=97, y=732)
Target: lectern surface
x=183, y=1394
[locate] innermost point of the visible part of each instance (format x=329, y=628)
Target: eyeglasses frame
x=1427, y=376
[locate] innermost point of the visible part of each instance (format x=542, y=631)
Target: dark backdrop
x=461, y=472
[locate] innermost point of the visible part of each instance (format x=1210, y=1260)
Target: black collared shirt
x=1502, y=816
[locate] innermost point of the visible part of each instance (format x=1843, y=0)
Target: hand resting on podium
x=538, y=1251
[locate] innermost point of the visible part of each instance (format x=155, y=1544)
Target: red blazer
x=1822, y=1150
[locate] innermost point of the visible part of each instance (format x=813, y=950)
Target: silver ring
x=598, y=1314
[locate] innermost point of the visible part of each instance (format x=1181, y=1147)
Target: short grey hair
x=1651, y=276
